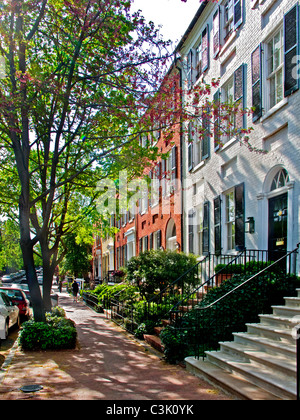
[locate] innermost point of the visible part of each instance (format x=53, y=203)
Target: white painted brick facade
x=278, y=132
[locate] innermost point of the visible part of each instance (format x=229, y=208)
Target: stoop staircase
x=259, y=364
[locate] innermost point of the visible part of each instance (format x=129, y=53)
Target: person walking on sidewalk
x=75, y=290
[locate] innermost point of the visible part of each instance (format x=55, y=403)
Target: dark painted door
x=278, y=216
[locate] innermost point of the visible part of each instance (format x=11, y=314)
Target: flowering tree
x=77, y=75
x=80, y=81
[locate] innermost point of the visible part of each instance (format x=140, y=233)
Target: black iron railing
x=208, y=324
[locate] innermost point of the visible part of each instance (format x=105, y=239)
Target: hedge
x=57, y=333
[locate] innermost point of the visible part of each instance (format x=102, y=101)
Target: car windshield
x=5, y=299
x=14, y=294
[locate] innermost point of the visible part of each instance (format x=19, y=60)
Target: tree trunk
x=48, y=274
x=35, y=292
x=27, y=251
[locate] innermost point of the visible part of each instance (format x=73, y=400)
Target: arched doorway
x=171, y=237
x=278, y=215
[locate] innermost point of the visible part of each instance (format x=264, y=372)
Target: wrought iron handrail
x=207, y=282
x=251, y=278
x=209, y=314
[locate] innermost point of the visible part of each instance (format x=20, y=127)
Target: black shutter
x=239, y=97
x=146, y=243
x=240, y=217
x=217, y=220
x=205, y=49
x=191, y=231
x=291, y=50
x=205, y=142
x=140, y=245
x=205, y=233
x=238, y=13
x=190, y=68
x=174, y=162
x=216, y=32
x=190, y=147
x=256, y=60
x=217, y=119
x=151, y=240
x=158, y=244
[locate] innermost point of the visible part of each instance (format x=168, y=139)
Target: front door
x=278, y=216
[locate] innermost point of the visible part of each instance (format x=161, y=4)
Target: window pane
x=279, y=85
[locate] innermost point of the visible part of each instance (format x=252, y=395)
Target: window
x=155, y=184
x=202, y=53
x=280, y=65
x=228, y=19
x=275, y=69
x=230, y=220
x=228, y=98
x=169, y=173
x=233, y=118
x=280, y=180
x=199, y=141
x=155, y=241
x=232, y=17
x=235, y=218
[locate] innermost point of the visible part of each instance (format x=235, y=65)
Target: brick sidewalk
x=108, y=365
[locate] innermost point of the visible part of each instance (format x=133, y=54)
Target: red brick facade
x=157, y=222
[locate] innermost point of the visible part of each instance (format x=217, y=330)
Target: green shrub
x=56, y=333
x=153, y=271
x=205, y=328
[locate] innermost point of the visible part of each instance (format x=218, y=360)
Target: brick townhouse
x=234, y=197
x=155, y=223
x=154, y=220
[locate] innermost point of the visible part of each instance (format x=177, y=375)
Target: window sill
x=226, y=145
x=198, y=166
x=228, y=42
x=275, y=109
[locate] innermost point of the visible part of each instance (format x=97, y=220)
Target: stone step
x=165, y=322
x=293, y=302
x=279, y=362
x=234, y=384
x=278, y=321
x=266, y=344
x=158, y=330
x=287, y=311
x=154, y=342
x=279, y=384
x=276, y=334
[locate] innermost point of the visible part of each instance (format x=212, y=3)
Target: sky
x=174, y=15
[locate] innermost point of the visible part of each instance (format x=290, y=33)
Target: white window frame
x=229, y=23
x=230, y=220
x=226, y=98
x=279, y=69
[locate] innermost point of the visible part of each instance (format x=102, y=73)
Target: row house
x=228, y=196
x=154, y=220
x=238, y=197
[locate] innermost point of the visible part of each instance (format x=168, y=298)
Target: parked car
x=9, y=315
x=19, y=299
x=25, y=288
x=6, y=279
